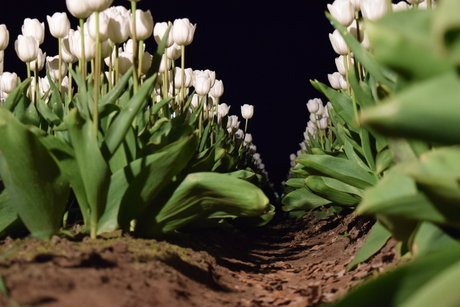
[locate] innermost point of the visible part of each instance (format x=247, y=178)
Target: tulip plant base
x=299, y=263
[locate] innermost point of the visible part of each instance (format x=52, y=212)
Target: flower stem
x=60, y=64
x=97, y=73
x=135, y=46
x=182, y=64
x=82, y=60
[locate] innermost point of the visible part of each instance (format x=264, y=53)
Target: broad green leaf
x=338, y=168
x=405, y=114
x=118, y=90
x=296, y=182
x=341, y=102
x=10, y=223
x=446, y=30
x=145, y=187
x=35, y=183
x=375, y=241
x=383, y=160
x=16, y=95
x=47, y=113
x=402, y=285
x=202, y=196
x=93, y=168
x=329, y=188
x=65, y=157
x=205, y=160
x=303, y=199
x=429, y=237
x=119, y=127
x=403, y=42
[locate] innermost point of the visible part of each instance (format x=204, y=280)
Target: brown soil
x=295, y=263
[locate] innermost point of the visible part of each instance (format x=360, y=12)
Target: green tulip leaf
x=36, y=185
x=303, y=199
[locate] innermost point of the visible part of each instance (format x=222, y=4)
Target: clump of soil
x=293, y=263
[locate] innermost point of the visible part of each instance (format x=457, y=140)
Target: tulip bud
x=248, y=139
x=58, y=24
x=103, y=26
x=26, y=48
x=343, y=11
x=374, y=9
x=8, y=82
x=334, y=80
x=202, y=85
x=78, y=8
x=33, y=27
x=67, y=54
x=183, y=31
x=144, y=24
x=159, y=31
x=173, y=52
x=323, y=123
x=313, y=105
x=75, y=46
x=195, y=101
x=52, y=65
x=339, y=63
x=98, y=5
x=247, y=111
x=146, y=62
x=188, y=74
x=4, y=37
x=223, y=109
x=218, y=89
x=119, y=26
x=338, y=43
x=125, y=62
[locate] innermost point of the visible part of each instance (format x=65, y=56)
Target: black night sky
x=265, y=52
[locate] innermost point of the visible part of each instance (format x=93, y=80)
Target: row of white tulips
x=120, y=36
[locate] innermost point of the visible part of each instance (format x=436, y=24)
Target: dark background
x=265, y=52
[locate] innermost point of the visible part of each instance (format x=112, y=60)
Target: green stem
x=428, y=4
x=82, y=60
x=135, y=46
x=97, y=73
x=182, y=64
x=140, y=57
x=60, y=64
x=69, y=89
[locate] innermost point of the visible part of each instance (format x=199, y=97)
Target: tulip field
x=108, y=140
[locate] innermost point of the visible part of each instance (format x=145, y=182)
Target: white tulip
x=4, y=37
x=58, y=24
x=39, y=62
x=223, y=109
x=75, y=46
x=26, y=48
x=119, y=26
x=218, y=89
x=78, y=8
x=202, y=85
x=8, y=82
x=343, y=11
x=159, y=31
x=338, y=43
x=313, y=105
x=52, y=65
x=125, y=62
x=98, y=5
x=183, y=31
x=146, y=62
x=374, y=9
x=67, y=54
x=173, y=52
x=334, y=80
x=144, y=24
x=103, y=26
x=33, y=27
x=247, y=111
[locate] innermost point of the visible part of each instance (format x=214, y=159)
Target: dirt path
x=298, y=263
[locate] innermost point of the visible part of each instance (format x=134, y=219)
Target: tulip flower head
x=343, y=11
x=98, y=5
x=338, y=43
x=33, y=27
x=159, y=31
x=119, y=25
x=373, y=9
x=78, y=8
x=103, y=26
x=144, y=24
x=247, y=111
x=58, y=24
x=173, y=52
x=218, y=89
x=52, y=65
x=39, y=62
x=202, y=85
x=26, y=48
x=8, y=82
x=4, y=37
x=183, y=31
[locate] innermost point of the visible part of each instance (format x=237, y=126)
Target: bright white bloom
x=195, y=101
x=353, y=29
x=144, y=24
x=8, y=81
x=232, y=123
x=323, y=123
x=313, y=105
x=343, y=11
x=223, y=109
x=374, y=9
x=340, y=64
x=183, y=31
x=247, y=111
x=159, y=31
x=356, y=4
x=165, y=64
x=202, y=85
x=33, y=27
x=218, y=89
x=52, y=65
x=58, y=24
x=338, y=43
x=248, y=139
x=98, y=5
x=146, y=62
x=103, y=26
x=4, y=37
x=125, y=62
x=119, y=24
x=334, y=80
x=173, y=52
x=75, y=46
x=188, y=75
x=67, y=54
x=78, y=8
x=26, y=48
